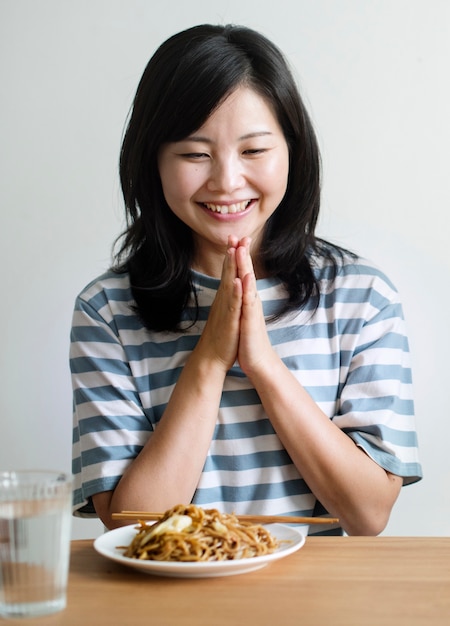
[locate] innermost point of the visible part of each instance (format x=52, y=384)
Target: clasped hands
x=236, y=328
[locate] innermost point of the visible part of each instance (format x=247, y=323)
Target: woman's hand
x=254, y=351
x=220, y=338
x=236, y=328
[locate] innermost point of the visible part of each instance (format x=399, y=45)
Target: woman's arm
x=341, y=475
x=168, y=468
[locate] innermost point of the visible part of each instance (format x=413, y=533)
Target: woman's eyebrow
x=258, y=133
x=201, y=139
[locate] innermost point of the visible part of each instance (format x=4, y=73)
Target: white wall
x=376, y=76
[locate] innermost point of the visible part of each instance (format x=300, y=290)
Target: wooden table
x=331, y=580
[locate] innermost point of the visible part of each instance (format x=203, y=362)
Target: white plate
x=291, y=538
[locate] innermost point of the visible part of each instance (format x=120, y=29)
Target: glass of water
x=35, y=524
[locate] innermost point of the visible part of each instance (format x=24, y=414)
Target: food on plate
x=190, y=533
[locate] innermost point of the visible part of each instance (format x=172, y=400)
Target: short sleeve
x=376, y=407
x=110, y=426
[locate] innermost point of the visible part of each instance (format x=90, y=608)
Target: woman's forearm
x=168, y=468
x=347, y=482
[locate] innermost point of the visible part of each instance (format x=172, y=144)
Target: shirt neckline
x=210, y=282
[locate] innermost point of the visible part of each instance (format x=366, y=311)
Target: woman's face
x=228, y=177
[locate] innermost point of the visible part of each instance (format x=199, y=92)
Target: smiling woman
x=236, y=167
x=231, y=358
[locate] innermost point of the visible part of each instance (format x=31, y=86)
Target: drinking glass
x=35, y=523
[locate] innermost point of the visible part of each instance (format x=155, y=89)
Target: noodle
x=190, y=533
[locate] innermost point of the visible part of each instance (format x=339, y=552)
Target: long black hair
x=186, y=79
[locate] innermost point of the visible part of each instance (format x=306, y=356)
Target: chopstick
x=252, y=519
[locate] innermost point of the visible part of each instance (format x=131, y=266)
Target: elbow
x=372, y=516
x=367, y=526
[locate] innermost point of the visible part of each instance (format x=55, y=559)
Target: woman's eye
x=194, y=155
x=252, y=151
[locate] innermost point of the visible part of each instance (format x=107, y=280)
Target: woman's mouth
x=225, y=209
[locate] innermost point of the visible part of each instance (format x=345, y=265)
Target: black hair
x=186, y=79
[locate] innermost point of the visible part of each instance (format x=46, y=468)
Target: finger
x=246, y=242
x=230, y=284
x=233, y=241
x=244, y=261
x=229, y=268
x=250, y=296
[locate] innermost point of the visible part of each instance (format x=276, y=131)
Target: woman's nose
x=226, y=175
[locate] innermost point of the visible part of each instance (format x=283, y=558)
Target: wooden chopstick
x=252, y=519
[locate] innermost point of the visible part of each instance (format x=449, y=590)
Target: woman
x=231, y=358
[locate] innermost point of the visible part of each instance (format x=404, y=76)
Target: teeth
x=227, y=208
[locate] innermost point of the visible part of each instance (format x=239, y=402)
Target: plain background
x=375, y=76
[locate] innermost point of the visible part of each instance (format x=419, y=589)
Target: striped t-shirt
x=350, y=353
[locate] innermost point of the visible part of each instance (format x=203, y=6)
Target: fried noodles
x=190, y=533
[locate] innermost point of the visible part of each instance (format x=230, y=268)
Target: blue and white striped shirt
x=351, y=354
